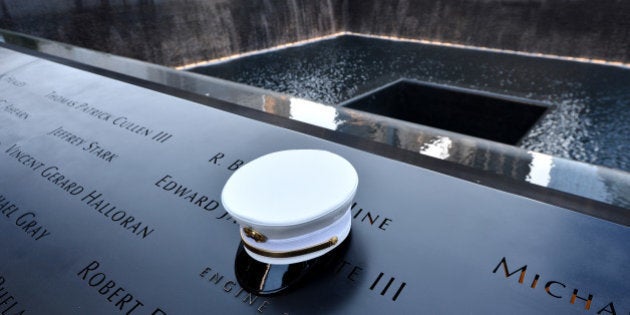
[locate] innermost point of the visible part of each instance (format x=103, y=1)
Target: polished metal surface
x=593, y=182
x=140, y=230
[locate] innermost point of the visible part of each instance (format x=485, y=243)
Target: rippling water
x=589, y=122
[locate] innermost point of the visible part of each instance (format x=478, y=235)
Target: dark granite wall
x=176, y=32
x=173, y=32
x=579, y=28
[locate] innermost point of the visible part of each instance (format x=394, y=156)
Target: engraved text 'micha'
x=557, y=289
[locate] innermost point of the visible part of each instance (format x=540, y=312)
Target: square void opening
x=474, y=113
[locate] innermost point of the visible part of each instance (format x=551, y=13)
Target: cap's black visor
x=271, y=279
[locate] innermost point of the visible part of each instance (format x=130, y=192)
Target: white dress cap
x=292, y=205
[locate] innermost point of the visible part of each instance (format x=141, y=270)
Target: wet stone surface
x=592, y=102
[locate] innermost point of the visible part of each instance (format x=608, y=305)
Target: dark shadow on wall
x=579, y=28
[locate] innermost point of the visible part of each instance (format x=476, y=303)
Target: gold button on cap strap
x=255, y=235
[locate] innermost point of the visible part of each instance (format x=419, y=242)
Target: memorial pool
x=589, y=121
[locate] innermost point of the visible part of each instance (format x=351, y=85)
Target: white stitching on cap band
x=298, y=252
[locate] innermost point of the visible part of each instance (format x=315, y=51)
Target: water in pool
x=590, y=121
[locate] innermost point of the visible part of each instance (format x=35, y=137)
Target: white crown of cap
x=292, y=205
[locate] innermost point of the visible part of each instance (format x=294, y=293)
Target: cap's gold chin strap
x=298, y=252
